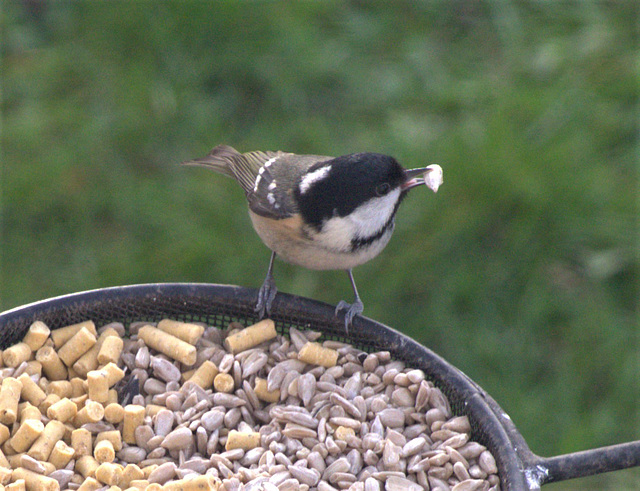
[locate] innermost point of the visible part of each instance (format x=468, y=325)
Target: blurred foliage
x=522, y=271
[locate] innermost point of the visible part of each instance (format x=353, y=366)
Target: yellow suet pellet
x=89, y=361
x=205, y=375
x=42, y=447
x=171, y=346
x=77, y=346
x=61, y=455
x=36, y=336
x=31, y=391
x=86, y=465
x=64, y=334
x=114, y=413
x=103, y=451
x=64, y=410
x=27, y=433
x=133, y=417
x=9, y=397
x=35, y=481
x=98, y=386
x=316, y=354
x=16, y=354
x=251, y=336
x=92, y=412
x=52, y=365
x=243, y=440
x=190, y=333
x=81, y=442
x=110, y=350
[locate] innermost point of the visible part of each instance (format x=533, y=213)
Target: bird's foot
x=266, y=294
x=351, y=310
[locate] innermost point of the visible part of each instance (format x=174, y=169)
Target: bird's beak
x=431, y=176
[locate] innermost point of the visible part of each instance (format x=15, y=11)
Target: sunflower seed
x=487, y=463
x=395, y=483
x=471, y=485
x=178, y=438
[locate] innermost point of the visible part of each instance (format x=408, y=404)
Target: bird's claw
x=351, y=310
x=266, y=295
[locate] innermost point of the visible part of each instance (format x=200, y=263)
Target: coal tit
x=320, y=212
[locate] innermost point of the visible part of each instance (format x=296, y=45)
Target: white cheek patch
x=365, y=221
x=312, y=177
x=369, y=218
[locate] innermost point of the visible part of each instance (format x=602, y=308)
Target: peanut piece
x=245, y=441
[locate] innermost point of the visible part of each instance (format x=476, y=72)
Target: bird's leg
x=267, y=291
x=356, y=308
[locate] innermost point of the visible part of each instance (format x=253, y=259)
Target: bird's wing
x=252, y=172
x=244, y=167
x=253, y=167
x=267, y=187
x=272, y=192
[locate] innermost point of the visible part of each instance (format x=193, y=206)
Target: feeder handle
x=543, y=470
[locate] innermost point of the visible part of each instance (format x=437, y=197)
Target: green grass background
x=522, y=271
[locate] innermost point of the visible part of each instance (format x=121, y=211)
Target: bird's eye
x=382, y=189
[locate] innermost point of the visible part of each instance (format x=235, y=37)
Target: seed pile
x=225, y=409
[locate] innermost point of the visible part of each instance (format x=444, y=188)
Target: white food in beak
x=433, y=177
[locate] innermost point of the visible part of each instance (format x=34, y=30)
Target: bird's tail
x=217, y=160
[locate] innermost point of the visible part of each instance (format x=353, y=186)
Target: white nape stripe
x=312, y=177
x=259, y=176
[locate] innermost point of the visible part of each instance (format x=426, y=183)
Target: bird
x=320, y=212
